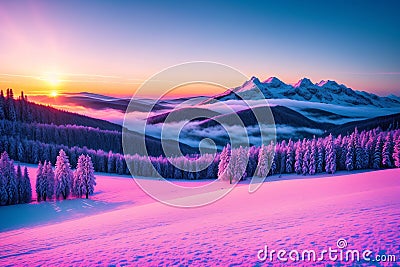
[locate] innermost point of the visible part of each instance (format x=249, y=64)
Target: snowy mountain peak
x=273, y=82
x=254, y=80
x=328, y=91
x=305, y=82
x=328, y=83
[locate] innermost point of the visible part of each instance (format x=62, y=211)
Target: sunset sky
x=111, y=47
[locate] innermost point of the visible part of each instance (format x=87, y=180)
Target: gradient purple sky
x=111, y=47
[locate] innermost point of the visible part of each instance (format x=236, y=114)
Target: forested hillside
x=22, y=110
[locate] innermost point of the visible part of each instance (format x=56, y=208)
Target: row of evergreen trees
x=373, y=149
x=15, y=187
x=68, y=135
x=62, y=182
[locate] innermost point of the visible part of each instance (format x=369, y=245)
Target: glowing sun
x=52, y=79
x=53, y=93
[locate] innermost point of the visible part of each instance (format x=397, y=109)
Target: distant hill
x=22, y=119
x=387, y=122
x=22, y=110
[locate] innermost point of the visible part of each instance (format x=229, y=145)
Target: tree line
x=68, y=135
x=15, y=186
x=60, y=183
x=374, y=149
x=63, y=182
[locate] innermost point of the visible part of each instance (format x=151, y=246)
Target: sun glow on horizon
x=53, y=93
x=52, y=78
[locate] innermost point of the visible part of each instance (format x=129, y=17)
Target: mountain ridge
x=325, y=91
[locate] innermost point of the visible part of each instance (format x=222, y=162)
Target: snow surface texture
x=363, y=208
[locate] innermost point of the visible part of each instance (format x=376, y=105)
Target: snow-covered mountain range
x=329, y=92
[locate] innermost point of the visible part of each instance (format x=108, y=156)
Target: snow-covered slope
x=304, y=90
x=122, y=226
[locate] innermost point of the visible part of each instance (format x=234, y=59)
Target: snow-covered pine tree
x=119, y=164
x=77, y=184
x=263, y=164
x=306, y=159
x=377, y=156
x=63, y=176
x=49, y=179
x=110, y=163
x=3, y=182
x=320, y=156
x=7, y=170
x=313, y=157
x=396, y=152
x=283, y=155
x=27, y=192
x=20, y=185
x=39, y=182
x=272, y=158
x=360, y=157
x=89, y=180
x=369, y=151
x=387, y=151
x=290, y=157
x=224, y=161
x=298, y=158
x=3, y=189
x=84, y=179
x=241, y=163
x=330, y=155
x=350, y=155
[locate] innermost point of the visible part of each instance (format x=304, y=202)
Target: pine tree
x=77, y=185
x=89, y=180
x=283, y=156
x=377, y=156
x=306, y=159
x=49, y=178
x=272, y=158
x=320, y=156
x=119, y=165
x=350, y=156
x=330, y=155
x=387, y=151
x=237, y=166
x=20, y=185
x=39, y=182
x=84, y=179
x=298, y=159
x=313, y=157
x=290, y=157
x=360, y=157
x=63, y=176
x=396, y=153
x=7, y=171
x=263, y=163
x=27, y=192
x=224, y=162
x=111, y=163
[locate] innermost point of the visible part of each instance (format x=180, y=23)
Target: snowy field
x=121, y=226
